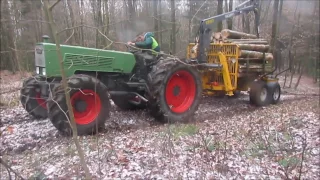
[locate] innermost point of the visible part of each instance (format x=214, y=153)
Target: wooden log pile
x=251, y=47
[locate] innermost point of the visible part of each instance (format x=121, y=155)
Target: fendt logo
x=39, y=50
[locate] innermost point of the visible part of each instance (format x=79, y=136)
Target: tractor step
x=211, y=65
x=126, y=93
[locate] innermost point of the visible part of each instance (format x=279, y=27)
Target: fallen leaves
x=258, y=144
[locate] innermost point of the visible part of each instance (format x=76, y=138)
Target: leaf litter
x=230, y=139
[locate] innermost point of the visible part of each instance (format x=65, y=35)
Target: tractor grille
x=77, y=60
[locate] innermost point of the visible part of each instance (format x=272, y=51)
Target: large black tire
x=259, y=93
x=30, y=97
x=124, y=104
x=83, y=87
x=188, y=84
x=275, y=92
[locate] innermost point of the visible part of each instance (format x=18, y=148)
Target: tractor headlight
x=37, y=70
x=44, y=71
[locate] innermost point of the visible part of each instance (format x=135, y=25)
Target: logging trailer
x=171, y=91
x=228, y=67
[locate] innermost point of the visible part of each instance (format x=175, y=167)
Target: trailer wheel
x=275, y=91
x=30, y=97
x=90, y=101
x=259, y=93
x=175, y=91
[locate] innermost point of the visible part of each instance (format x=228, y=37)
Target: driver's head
x=140, y=36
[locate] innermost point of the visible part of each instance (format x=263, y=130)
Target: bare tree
x=220, y=11
x=230, y=9
x=65, y=86
x=173, y=30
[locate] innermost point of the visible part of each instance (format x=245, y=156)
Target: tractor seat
x=148, y=57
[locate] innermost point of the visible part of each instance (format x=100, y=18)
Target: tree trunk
x=160, y=23
x=106, y=19
x=68, y=33
x=190, y=22
x=230, y=19
x=301, y=68
x=100, y=40
x=132, y=14
x=295, y=52
x=73, y=22
x=81, y=21
x=220, y=11
x=173, y=26
x=155, y=20
x=48, y=26
x=10, y=40
x=65, y=86
x=274, y=24
x=227, y=33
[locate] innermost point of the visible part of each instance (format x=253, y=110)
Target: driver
x=147, y=41
x=144, y=41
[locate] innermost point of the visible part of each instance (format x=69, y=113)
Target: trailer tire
x=90, y=101
x=175, y=91
x=275, y=91
x=259, y=93
x=30, y=97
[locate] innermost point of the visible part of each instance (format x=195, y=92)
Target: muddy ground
x=230, y=139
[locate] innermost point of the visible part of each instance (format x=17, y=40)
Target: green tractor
x=168, y=89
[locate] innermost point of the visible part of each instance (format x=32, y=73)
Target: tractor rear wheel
x=259, y=93
x=90, y=102
x=30, y=97
x=175, y=91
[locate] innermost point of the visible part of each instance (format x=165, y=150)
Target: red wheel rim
x=42, y=102
x=180, y=91
x=92, y=103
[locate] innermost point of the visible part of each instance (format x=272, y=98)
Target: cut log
x=232, y=40
x=217, y=35
x=250, y=42
x=255, y=54
x=227, y=33
x=244, y=60
x=254, y=47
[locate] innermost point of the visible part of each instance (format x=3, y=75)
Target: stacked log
x=227, y=33
x=251, y=47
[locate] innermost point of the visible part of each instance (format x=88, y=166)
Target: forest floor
x=230, y=139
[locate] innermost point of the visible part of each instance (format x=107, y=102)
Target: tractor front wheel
x=90, y=102
x=175, y=91
x=31, y=99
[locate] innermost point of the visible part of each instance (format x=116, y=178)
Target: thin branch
x=53, y=5
x=69, y=37
x=198, y=11
x=9, y=168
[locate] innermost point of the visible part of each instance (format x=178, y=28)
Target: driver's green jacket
x=149, y=42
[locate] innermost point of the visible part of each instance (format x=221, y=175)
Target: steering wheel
x=130, y=49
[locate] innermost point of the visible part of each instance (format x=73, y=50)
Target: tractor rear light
x=37, y=70
x=44, y=71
